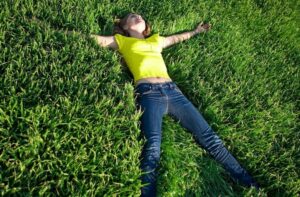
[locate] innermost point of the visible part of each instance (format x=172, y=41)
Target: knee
x=214, y=146
x=152, y=148
x=211, y=142
x=153, y=141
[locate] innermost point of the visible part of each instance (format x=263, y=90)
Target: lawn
x=68, y=121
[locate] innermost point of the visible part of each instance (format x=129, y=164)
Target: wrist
x=195, y=32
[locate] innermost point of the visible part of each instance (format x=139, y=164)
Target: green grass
x=68, y=122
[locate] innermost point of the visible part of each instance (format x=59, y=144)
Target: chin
x=139, y=29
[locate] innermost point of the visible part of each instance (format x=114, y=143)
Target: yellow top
x=143, y=56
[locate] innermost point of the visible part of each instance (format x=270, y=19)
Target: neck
x=136, y=34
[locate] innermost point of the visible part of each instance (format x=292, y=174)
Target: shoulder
x=119, y=36
x=157, y=37
x=120, y=40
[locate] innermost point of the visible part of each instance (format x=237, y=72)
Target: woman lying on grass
x=157, y=95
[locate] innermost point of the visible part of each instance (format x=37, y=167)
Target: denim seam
x=167, y=100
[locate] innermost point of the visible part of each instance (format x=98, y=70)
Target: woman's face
x=135, y=22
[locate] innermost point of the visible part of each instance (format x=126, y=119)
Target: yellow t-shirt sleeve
x=120, y=41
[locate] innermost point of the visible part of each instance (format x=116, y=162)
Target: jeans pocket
x=143, y=91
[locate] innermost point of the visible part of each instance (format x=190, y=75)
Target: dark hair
x=120, y=23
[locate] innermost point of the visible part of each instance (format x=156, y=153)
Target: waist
x=153, y=86
x=153, y=80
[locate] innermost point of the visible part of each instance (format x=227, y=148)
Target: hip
x=160, y=89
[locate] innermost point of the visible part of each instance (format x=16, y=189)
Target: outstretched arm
x=170, y=40
x=105, y=41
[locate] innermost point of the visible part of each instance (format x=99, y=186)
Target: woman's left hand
x=203, y=28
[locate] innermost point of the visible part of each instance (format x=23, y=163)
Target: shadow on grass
x=212, y=181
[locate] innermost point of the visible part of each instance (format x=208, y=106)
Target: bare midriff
x=153, y=80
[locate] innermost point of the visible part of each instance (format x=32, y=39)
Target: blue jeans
x=158, y=99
